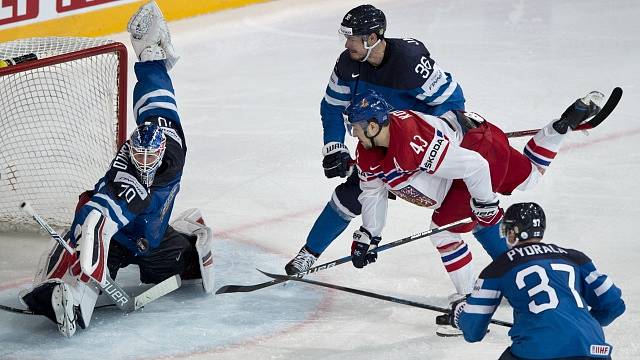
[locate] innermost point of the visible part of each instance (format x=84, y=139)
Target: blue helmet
x=367, y=107
x=147, y=149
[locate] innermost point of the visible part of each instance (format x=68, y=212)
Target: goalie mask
x=147, y=149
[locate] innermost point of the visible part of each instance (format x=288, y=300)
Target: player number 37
x=545, y=287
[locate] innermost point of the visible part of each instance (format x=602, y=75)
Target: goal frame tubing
x=116, y=47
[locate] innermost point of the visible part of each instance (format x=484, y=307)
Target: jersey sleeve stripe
x=487, y=294
x=156, y=93
x=430, y=87
x=335, y=102
x=540, y=151
x=158, y=105
x=117, y=210
x=445, y=95
x=334, y=85
x=536, y=159
x=606, y=285
x=479, y=309
x=593, y=276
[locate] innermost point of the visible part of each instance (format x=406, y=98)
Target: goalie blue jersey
x=560, y=302
x=142, y=214
x=408, y=78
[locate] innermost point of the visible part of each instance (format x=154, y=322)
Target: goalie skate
x=150, y=36
x=53, y=299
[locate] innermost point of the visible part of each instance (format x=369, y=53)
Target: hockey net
x=62, y=119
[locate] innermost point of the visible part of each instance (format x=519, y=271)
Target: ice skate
x=301, y=262
x=445, y=329
x=150, y=35
x=54, y=300
x=579, y=112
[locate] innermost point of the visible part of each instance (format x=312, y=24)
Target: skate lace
x=303, y=260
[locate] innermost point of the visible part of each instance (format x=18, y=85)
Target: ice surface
x=249, y=84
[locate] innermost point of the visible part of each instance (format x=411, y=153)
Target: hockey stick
x=373, y=295
x=119, y=297
x=226, y=289
x=606, y=110
x=29, y=312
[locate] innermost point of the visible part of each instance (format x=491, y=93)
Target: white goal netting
x=61, y=119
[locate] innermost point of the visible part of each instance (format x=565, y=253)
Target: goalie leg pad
x=85, y=296
x=93, y=239
x=191, y=223
x=54, y=263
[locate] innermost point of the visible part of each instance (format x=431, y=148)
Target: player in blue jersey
x=400, y=70
x=560, y=300
x=125, y=219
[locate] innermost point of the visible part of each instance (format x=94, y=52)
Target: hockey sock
x=490, y=239
x=327, y=228
x=456, y=258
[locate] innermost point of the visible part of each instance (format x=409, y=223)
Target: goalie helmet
x=367, y=107
x=147, y=143
x=527, y=220
x=364, y=20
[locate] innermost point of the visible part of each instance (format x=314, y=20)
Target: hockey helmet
x=527, y=220
x=367, y=107
x=364, y=20
x=147, y=144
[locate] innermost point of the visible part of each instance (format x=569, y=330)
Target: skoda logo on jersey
x=435, y=151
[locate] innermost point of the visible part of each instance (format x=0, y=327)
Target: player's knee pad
x=92, y=242
x=191, y=222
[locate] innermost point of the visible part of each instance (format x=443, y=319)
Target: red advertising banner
x=12, y=11
x=70, y=5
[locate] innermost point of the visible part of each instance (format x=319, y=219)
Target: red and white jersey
x=423, y=158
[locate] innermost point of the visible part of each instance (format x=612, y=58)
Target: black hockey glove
x=337, y=160
x=362, y=243
x=453, y=315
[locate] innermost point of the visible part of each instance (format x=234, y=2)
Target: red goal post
x=62, y=119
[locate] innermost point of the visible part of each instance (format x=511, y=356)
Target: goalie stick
x=226, y=289
x=606, y=110
x=120, y=298
x=139, y=301
x=373, y=295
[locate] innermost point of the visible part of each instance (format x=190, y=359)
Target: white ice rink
x=249, y=85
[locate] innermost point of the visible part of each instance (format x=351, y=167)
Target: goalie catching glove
x=191, y=223
x=337, y=160
x=361, y=246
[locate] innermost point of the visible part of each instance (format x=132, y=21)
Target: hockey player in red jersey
x=456, y=164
